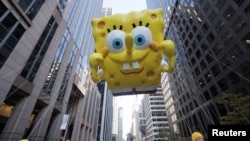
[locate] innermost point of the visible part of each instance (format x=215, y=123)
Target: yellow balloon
x=130, y=49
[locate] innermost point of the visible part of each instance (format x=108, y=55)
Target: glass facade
x=33, y=64
x=212, y=58
x=155, y=116
x=11, y=30
x=30, y=7
x=44, y=47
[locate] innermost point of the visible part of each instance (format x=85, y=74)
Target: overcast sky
x=125, y=6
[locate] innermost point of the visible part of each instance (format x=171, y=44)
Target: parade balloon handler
x=197, y=136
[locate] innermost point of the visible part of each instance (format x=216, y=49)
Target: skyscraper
x=44, y=76
x=155, y=116
x=139, y=123
x=106, y=11
x=120, y=124
x=106, y=116
x=212, y=41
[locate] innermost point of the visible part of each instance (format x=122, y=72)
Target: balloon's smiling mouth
x=130, y=68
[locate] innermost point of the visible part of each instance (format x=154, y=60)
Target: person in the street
x=197, y=136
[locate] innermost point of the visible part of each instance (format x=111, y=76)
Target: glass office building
x=45, y=89
x=212, y=57
x=155, y=116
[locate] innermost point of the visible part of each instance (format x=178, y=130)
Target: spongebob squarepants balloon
x=129, y=52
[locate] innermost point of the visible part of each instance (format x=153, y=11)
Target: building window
x=3, y=8
x=196, y=103
x=235, y=52
x=187, y=29
x=208, y=58
x=36, y=57
x=191, y=106
x=183, y=35
x=178, y=22
x=206, y=95
x=210, y=37
x=204, y=46
x=200, y=2
x=247, y=11
x=10, y=43
x=246, y=40
x=10, y=33
x=227, y=38
x=203, y=64
x=239, y=2
x=245, y=69
x=184, y=21
x=180, y=100
x=198, y=36
x=197, y=71
x=194, y=45
x=51, y=77
x=184, y=98
x=223, y=84
x=201, y=83
x=219, y=26
x=206, y=7
x=67, y=75
x=186, y=42
x=193, y=61
x=232, y=78
x=198, y=54
x=217, y=48
x=215, y=70
x=212, y=16
x=190, y=36
x=213, y=91
x=9, y=21
x=190, y=51
x=31, y=7
x=194, y=28
x=61, y=6
x=205, y=27
x=225, y=61
x=208, y=76
x=191, y=21
x=229, y=12
x=238, y=25
x=220, y=4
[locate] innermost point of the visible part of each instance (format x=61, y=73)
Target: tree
x=166, y=133
x=239, y=108
x=162, y=135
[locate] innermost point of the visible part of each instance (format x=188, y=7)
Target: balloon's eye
x=115, y=40
x=117, y=43
x=142, y=37
x=139, y=39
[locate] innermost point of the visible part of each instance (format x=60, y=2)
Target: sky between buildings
x=126, y=102
x=125, y=6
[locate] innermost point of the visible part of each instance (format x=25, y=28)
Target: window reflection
x=31, y=7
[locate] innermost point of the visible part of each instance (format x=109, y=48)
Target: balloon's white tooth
x=126, y=66
x=136, y=65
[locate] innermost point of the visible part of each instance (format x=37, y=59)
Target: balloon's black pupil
x=117, y=43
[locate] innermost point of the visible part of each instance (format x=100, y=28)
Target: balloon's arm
x=95, y=60
x=168, y=49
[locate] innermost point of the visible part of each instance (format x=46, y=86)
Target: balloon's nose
x=129, y=43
